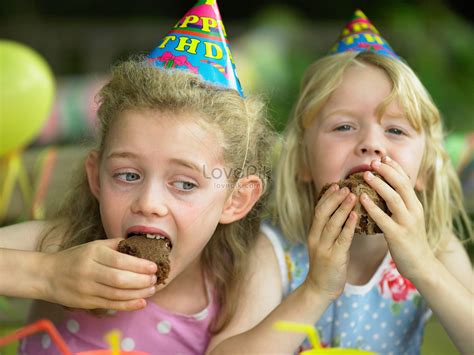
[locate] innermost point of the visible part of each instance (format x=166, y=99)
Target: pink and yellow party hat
x=198, y=43
x=360, y=35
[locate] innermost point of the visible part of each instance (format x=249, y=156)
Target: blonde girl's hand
x=404, y=230
x=96, y=275
x=329, y=240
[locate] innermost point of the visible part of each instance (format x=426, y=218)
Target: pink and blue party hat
x=198, y=43
x=360, y=35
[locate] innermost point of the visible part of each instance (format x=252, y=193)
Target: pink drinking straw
x=38, y=326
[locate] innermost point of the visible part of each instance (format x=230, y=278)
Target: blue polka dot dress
x=387, y=315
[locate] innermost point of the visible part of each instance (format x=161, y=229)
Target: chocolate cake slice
x=357, y=185
x=150, y=248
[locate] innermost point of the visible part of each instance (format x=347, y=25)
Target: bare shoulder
x=263, y=246
x=260, y=294
x=264, y=268
x=455, y=258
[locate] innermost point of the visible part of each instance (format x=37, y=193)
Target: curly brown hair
x=247, y=138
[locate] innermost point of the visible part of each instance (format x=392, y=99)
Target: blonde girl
x=364, y=111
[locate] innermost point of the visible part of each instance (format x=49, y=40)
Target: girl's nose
x=371, y=143
x=150, y=201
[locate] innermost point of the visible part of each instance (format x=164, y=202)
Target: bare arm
x=447, y=286
x=328, y=244
x=19, y=261
x=90, y=275
x=251, y=330
x=16, y=265
x=445, y=283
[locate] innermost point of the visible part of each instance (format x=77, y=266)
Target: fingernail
x=387, y=159
x=364, y=197
x=344, y=190
x=152, y=290
x=153, y=279
x=152, y=267
x=376, y=163
x=370, y=176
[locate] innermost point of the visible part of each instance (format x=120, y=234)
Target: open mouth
x=152, y=236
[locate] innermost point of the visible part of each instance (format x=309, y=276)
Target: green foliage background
x=434, y=41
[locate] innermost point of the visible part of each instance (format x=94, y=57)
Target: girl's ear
x=92, y=170
x=242, y=199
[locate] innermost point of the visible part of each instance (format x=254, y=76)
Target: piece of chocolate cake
x=156, y=250
x=357, y=185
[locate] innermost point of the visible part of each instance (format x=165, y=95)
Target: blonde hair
x=246, y=136
x=441, y=195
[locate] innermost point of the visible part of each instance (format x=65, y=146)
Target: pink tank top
x=153, y=330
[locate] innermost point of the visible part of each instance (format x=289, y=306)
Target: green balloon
x=26, y=95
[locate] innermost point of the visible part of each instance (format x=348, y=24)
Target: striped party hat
x=360, y=35
x=198, y=43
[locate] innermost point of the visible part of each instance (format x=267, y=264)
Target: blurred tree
x=438, y=45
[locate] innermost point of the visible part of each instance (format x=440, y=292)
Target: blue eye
x=184, y=185
x=395, y=131
x=344, y=127
x=128, y=176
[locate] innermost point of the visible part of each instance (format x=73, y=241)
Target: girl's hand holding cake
x=329, y=240
x=404, y=230
x=356, y=184
x=94, y=275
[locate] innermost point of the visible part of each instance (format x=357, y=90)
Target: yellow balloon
x=26, y=95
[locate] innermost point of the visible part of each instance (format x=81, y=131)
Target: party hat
x=198, y=43
x=360, y=35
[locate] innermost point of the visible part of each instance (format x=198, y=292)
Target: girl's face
x=347, y=135
x=162, y=174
